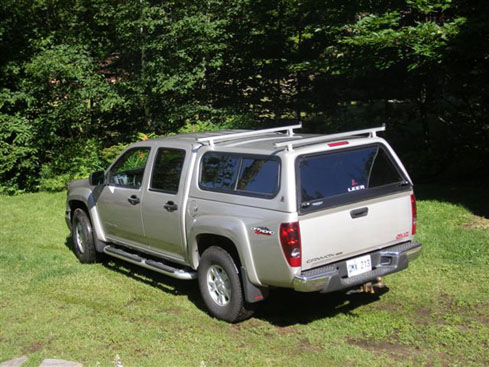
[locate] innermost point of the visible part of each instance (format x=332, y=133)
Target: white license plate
x=358, y=265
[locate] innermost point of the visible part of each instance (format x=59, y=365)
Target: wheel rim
x=80, y=237
x=219, y=285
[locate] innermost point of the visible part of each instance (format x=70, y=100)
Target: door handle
x=357, y=213
x=133, y=199
x=170, y=206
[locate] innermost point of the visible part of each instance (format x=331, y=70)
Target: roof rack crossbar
x=213, y=139
x=372, y=132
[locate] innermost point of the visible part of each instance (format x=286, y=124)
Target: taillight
x=414, y=213
x=290, y=238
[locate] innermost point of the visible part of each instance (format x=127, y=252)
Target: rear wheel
x=221, y=287
x=82, y=234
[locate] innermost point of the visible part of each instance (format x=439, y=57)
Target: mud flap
x=252, y=293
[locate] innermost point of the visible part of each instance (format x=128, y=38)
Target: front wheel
x=220, y=286
x=82, y=234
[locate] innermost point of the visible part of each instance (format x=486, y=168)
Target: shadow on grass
x=472, y=195
x=154, y=279
x=284, y=307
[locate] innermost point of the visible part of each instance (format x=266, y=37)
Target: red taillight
x=290, y=238
x=414, y=214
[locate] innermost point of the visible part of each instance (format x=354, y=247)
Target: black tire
x=226, y=302
x=82, y=235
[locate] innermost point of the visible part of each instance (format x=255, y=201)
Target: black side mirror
x=96, y=178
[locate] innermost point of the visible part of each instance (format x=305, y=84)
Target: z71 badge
x=263, y=231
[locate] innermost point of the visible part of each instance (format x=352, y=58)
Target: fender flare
x=229, y=227
x=88, y=198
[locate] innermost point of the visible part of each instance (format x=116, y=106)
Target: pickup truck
x=247, y=211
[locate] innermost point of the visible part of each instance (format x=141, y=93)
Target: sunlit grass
x=436, y=313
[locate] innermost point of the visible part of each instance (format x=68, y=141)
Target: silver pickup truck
x=247, y=211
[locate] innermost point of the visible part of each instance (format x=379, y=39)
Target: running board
x=151, y=264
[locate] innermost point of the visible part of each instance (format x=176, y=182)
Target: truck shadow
x=154, y=279
x=283, y=307
x=286, y=307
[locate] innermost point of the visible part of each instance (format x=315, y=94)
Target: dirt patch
x=236, y=327
x=482, y=319
x=305, y=346
x=245, y=325
x=396, y=351
x=424, y=316
x=33, y=348
x=285, y=330
x=174, y=311
x=388, y=307
x=476, y=222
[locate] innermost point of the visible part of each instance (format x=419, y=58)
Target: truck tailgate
x=342, y=232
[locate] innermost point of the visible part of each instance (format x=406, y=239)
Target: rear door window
x=333, y=178
x=243, y=175
x=167, y=170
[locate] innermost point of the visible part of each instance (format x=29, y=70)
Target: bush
x=74, y=161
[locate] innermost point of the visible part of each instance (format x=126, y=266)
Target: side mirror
x=96, y=178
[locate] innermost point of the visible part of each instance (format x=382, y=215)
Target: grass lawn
x=435, y=313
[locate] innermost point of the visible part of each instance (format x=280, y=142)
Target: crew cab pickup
x=247, y=211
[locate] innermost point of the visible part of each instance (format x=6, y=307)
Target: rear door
x=163, y=206
x=351, y=201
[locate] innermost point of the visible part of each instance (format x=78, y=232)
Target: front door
x=162, y=206
x=119, y=204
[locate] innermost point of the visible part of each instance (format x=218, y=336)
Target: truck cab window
x=167, y=170
x=128, y=171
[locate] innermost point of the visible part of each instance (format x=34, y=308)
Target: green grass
x=435, y=313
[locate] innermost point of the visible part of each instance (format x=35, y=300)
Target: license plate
x=358, y=265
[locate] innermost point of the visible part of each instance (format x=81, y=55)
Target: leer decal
x=355, y=186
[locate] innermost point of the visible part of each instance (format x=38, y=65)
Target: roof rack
x=213, y=139
x=318, y=139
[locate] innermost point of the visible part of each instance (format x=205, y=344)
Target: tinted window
x=219, y=171
x=167, y=170
x=383, y=172
x=258, y=176
x=233, y=173
x=345, y=172
x=128, y=171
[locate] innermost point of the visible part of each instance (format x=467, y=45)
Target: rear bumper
x=333, y=277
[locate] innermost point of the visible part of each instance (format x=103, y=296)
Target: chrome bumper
x=333, y=277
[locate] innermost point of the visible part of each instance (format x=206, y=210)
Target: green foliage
x=18, y=151
x=109, y=154
x=67, y=99
x=100, y=72
x=197, y=127
x=415, y=44
x=76, y=160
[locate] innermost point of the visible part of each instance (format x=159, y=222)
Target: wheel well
x=76, y=204
x=204, y=241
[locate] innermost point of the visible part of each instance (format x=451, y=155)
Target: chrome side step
x=160, y=267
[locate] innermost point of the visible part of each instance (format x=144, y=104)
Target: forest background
x=80, y=79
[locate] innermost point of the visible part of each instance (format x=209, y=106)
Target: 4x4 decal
x=262, y=231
